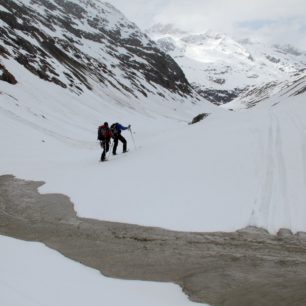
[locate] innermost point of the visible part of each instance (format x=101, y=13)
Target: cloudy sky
x=280, y=21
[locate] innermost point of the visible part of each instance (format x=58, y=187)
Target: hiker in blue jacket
x=116, y=129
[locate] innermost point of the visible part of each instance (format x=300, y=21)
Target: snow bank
x=33, y=275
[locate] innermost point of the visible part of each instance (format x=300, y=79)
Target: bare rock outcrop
x=6, y=76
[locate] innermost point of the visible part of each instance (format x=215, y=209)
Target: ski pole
x=133, y=138
x=110, y=149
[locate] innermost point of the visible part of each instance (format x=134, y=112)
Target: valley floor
x=230, y=171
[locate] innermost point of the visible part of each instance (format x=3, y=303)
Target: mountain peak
x=221, y=67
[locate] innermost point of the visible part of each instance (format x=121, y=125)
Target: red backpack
x=103, y=132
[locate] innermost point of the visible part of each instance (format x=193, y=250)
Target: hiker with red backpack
x=104, y=135
x=116, y=129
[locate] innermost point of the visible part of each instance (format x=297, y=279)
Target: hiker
x=116, y=129
x=104, y=135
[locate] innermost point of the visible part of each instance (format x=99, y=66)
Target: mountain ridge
x=75, y=44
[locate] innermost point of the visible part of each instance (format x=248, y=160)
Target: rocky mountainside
x=77, y=44
x=272, y=93
x=222, y=69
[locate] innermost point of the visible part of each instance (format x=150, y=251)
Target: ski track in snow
x=274, y=176
x=277, y=197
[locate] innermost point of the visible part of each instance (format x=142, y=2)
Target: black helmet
x=106, y=124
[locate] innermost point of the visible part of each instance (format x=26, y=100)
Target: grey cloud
x=268, y=17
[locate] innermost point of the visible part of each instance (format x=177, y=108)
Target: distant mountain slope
x=221, y=68
x=270, y=94
x=79, y=43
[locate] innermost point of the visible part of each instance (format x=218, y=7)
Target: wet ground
x=249, y=267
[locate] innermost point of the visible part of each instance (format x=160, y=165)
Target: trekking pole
x=133, y=138
x=110, y=149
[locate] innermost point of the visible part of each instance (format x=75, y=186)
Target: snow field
x=232, y=170
x=33, y=275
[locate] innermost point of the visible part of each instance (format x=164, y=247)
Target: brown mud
x=249, y=267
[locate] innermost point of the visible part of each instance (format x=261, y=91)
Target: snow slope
x=33, y=275
x=231, y=170
x=48, y=133
x=261, y=96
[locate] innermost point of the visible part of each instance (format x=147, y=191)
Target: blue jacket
x=119, y=127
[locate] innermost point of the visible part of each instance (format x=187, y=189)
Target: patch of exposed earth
x=247, y=267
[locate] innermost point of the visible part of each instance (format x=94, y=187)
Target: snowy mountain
x=221, y=68
x=81, y=43
x=68, y=66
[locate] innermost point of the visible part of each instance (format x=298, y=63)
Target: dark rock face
x=75, y=44
x=6, y=76
x=273, y=59
x=293, y=87
x=198, y=118
x=246, y=267
x=218, y=96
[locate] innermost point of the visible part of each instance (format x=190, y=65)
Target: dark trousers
x=116, y=139
x=105, y=146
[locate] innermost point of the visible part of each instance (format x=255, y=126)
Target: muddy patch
x=247, y=267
